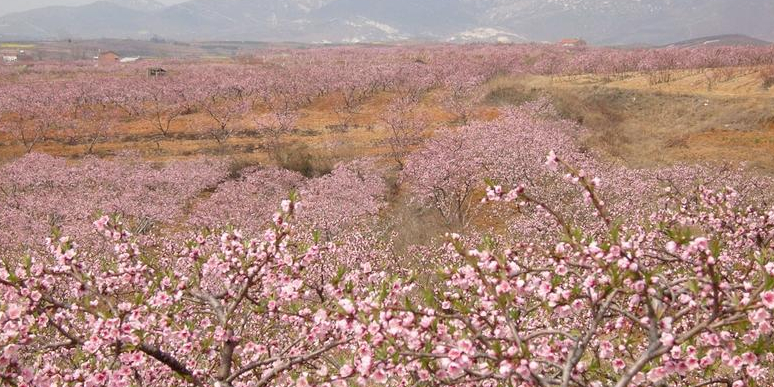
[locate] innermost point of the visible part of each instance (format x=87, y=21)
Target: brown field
x=644, y=124
x=630, y=118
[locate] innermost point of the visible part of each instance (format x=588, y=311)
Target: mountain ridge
x=601, y=22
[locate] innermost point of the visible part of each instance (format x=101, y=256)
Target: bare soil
x=644, y=125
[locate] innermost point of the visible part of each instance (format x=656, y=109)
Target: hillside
x=343, y=21
x=644, y=125
x=721, y=40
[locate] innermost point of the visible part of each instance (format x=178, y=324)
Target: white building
x=10, y=58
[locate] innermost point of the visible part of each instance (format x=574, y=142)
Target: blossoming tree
x=683, y=299
x=224, y=311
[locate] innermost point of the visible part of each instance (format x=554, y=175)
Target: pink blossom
x=346, y=371
x=768, y=299
x=552, y=161
x=347, y=305
x=13, y=312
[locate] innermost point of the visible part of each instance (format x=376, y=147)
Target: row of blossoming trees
x=606, y=276
x=126, y=273
x=81, y=104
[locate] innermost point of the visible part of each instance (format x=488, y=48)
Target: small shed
x=156, y=72
x=108, y=58
x=24, y=56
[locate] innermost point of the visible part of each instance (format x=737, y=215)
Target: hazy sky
x=7, y=6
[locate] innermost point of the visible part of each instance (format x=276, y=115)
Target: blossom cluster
x=690, y=287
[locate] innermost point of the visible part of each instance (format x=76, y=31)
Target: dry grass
x=729, y=82
x=767, y=77
x=645, y=125
x=317, y=133
x=709, y=115
x=756, y=148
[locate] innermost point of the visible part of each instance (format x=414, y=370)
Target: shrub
x=767, y=76
x=299, y=158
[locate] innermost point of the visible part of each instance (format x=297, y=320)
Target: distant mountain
x=419, y=18
x=100, y=19
x=607, y=22
x=138, y=5
x=630, y=21
x=721, y=40
x=11, y=6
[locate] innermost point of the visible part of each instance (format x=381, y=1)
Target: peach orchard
x=121, y=272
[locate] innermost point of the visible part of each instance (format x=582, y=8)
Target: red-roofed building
x=108, y=58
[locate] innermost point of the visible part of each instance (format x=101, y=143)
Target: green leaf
x=408, y=304
x=714, y=246
x=316, y=236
